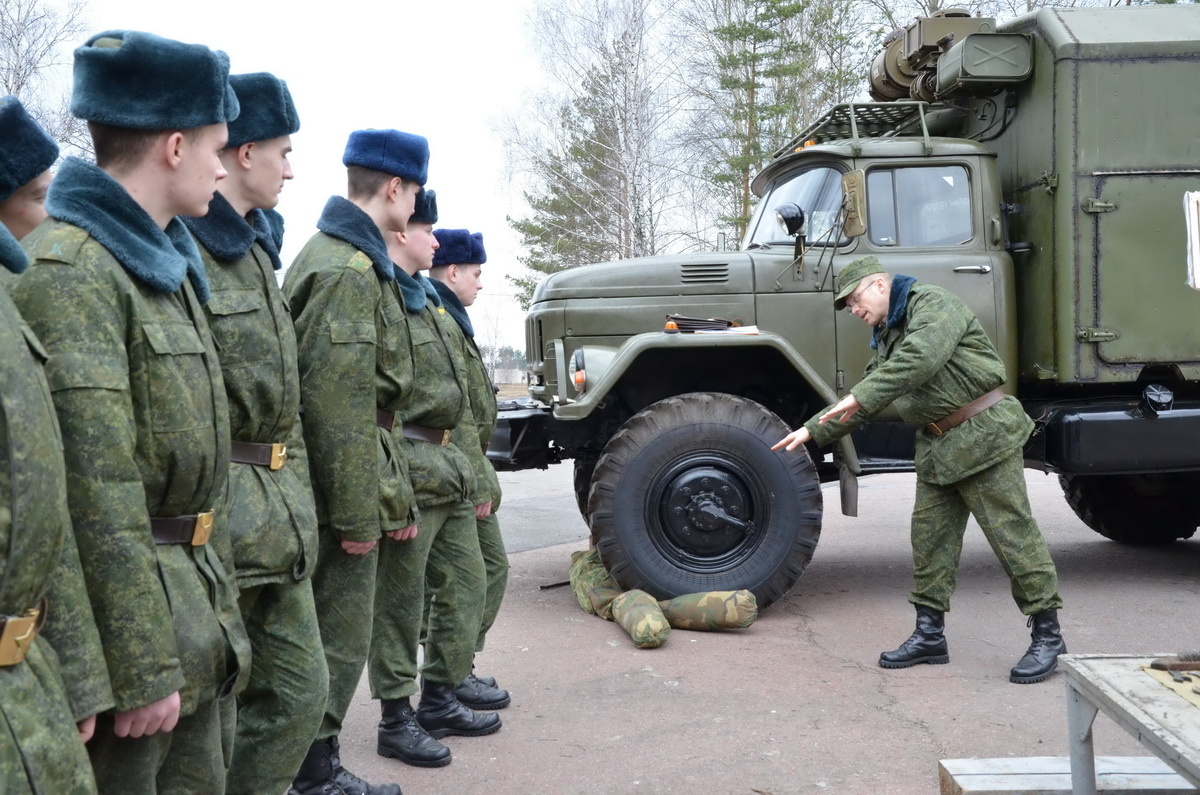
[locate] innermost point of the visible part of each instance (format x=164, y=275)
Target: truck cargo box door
x=1141, y=270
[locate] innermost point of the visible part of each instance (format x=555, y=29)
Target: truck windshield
x=919, y=206
x=818, y=191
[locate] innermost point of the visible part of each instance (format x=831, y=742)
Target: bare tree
x=36, y=40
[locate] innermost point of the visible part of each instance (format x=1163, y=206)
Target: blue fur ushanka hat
x=393, y=152
x=267, y=109
x=140, y=81
x=424, y=208
x=25, y=149
x=458, y=247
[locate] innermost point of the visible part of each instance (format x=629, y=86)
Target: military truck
x=1037, y=168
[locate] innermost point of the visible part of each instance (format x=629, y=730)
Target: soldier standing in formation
x=53, y=680
x=350, y=326
x=936, y=363
x=455, y=275
x=442, y=568
x=135, y=379
x=269, y=503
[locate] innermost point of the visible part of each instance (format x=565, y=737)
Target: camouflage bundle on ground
x=648, y=621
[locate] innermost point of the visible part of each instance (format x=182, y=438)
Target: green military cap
x=851, y=275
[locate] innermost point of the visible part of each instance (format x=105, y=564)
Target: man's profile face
x=200, y=169
x=25, y=208
x=469, y=283
x=869, y=301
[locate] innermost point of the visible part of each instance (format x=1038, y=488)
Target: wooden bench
x=1051, y=775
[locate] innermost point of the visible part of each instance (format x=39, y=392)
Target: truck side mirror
x=854, y=203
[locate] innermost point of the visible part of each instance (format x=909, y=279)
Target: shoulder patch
x=359, y=262
x=56, y=241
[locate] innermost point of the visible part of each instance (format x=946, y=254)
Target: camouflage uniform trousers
x=998, y=500
x=495, y=564
x=281, y=708
x=444, y=560
x=343, y=588
x=187, y=761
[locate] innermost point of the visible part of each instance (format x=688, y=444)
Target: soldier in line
x=350, y=333
x=26, y=155
x=115, y=294
x=53, y=680
x=444, y=559
x=455, y=275
x=936, y=363
x=269, y=503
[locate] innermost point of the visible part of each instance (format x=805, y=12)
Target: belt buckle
x=17, y=637
x=934, y=429
x=203, y=529
x=445, y=438
x=279, y=456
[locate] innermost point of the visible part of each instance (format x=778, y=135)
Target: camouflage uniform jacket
x=138, y=390
x=38, y=560
x=473, y=433
x=350, y=333
x=931, y=359
x=270, y=513
x=436, y=396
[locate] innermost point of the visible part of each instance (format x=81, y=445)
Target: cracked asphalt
x=795, y=703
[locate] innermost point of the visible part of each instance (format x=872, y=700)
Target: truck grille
x=704, y=272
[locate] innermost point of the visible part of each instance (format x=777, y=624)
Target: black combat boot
x=481, y=693
x=1042, y=657
x=927, y=644
x=440, y=713
x=401, y=737
x=321, y=773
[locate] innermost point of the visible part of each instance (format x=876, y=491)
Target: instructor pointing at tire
x=935, y=362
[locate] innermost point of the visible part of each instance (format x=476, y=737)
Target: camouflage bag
x=639, y=614
x=711, y=610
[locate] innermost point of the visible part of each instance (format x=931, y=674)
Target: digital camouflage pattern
x=140, y=400
x=62, y=678
x=270, y=514
x=932, y=363
x=639, y=614
x=711, y=611
x=350, y=328
x=443, y=566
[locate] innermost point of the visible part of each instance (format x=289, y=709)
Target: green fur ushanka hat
x=424, y=208
x=267, y=109
x=25, y=149
x=393, y=152
x=139, y=81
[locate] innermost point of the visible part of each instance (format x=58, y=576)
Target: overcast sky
x=447, y=70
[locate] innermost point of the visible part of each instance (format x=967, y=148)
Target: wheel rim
x=703, y=512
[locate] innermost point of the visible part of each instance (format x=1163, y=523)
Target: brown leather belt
x=193, y=529
x=422, y=434
x=982, y=403
x=271, y=456
x=17, y=634
x=385, y=419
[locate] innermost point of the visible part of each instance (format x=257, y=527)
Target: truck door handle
x=973, y=269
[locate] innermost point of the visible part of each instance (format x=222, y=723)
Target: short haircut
x=363, y=183
x=123, y=147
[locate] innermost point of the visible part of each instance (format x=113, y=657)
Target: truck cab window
x=919, y=206
x=818, y=191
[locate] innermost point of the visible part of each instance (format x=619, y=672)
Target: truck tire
x=688, y=497
x=1136, y=509
x=585, y=465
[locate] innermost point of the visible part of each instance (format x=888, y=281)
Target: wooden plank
x=1051, y=775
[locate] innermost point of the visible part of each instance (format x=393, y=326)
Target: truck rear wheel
x=688, y=497
x=1136, y=509
x=585, y=465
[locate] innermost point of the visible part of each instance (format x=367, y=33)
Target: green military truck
x=1037, y=168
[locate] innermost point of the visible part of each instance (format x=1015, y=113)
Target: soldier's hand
x=357, y=547
x=87, y=728
x=404, y=533
x=845, y=408
x=483, y=511
x=161, y=715
x=793, y=439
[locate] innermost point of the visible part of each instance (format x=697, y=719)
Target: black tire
x=585, y=465
x=688, y=497
x=1136, y=509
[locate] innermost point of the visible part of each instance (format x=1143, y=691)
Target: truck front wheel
x=1136, y=509
x=688, y=497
